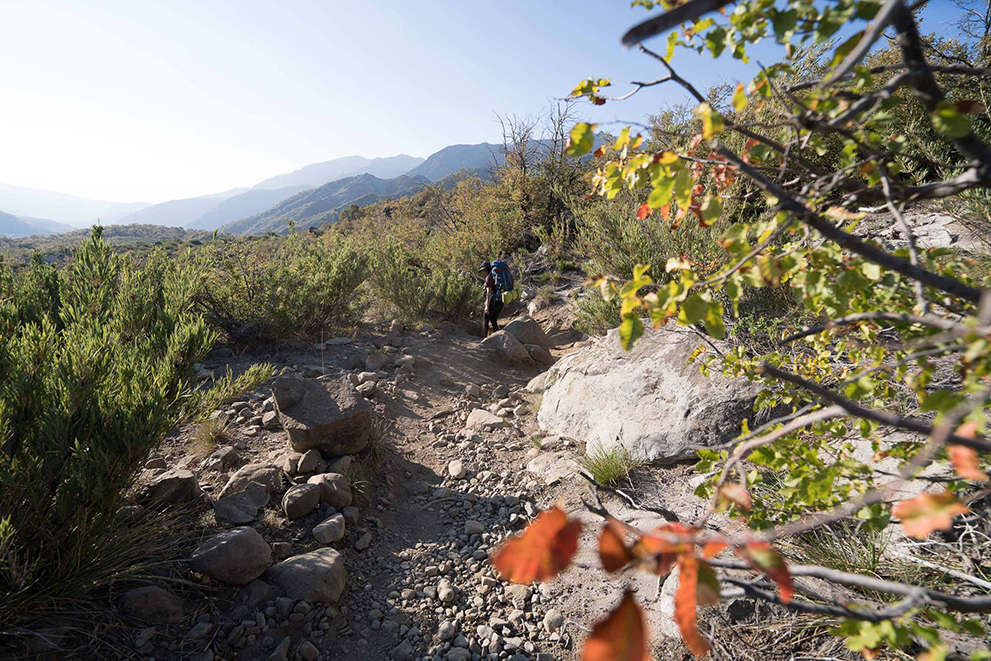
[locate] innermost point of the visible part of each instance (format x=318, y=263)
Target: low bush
x=95, y=366
x=278, y=289
x=413, y=291
x=608, y=467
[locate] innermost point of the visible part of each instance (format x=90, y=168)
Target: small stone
x=446, y=630
x=282, y=550
x=350, y=515
x=152, y=604
x=270, y=420
x=500, y=391
x=553, y=620
x=445, y=591
x=330, y=531
x=309, y=651
x=301, y=499
x=363, y=542
x=199, y=631
x=311, y=462
x=474, y=527
x=456, y=469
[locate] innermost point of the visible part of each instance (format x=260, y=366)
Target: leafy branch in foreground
x=795, y=164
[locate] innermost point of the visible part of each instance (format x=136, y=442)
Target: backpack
x=502, y=276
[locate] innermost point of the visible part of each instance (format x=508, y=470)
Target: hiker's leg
x=496, y=309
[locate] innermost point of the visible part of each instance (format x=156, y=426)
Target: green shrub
x=595, y=315
x=95, y=364
x=282, y=288
x=225, y=389
x=414, y=291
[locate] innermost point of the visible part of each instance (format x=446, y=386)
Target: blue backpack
x=502, y=276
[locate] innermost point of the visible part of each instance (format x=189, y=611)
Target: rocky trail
x=382, y=553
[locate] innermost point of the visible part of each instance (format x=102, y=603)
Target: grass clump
x=609, y=467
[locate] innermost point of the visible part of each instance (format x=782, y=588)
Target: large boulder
x=318, y=576
x=329, y=415
x=267, y=475
x=236, y=556
x=648, y=400
x=528, y=331
x=505, y=347
x=170, y=487
x=152, y=604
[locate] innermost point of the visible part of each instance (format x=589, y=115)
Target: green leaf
x=949, y=121
x=739, y=98
x=683, y=185
x=581, y=140
x=660, y=194
x=693, y=310
x=784, y=22
x=716, y=41
x=712, y=121
x=714, y=321
x=672, y=41
x=711, y=209
x=630, y=331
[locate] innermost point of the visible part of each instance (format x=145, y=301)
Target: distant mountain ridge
x=14, y=226
x=318, y=174
x=455, y=158
x=243, y=205
x=312, y=208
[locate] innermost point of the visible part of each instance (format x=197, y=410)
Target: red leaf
x=712, y=549
x=765, y=558
x=666, y=212
x=598, y=153
x=684, y=604
x=620, y=637
x=928, y=512
x=612, y=548
x=735, y=493
x=965, y=462
x=644, y=211
x=545, y=548
x=970, y=107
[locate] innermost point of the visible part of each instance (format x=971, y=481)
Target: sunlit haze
x=140, y=101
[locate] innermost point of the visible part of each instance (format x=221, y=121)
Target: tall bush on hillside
x=902, y=340
x=282, y=288
x=95, y=363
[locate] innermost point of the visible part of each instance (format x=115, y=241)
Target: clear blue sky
x=149, y=101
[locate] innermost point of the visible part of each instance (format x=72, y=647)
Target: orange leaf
x=765, y=558
x=970, y=107
x=644, y=211
x=666, y=212
x=712, y=549
x=598, y=153
x=965, y=462
x=620, y=637
x=684, y=605
x=545, y=548
x=927, y=512
x=612, y=548
x=735, y=493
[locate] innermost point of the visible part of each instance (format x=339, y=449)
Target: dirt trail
x=423, y=588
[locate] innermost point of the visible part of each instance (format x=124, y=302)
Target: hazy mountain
x=36, y=203
x=455, y=158
x=243, y=205
x=312, y=208
x=174, y=213
x=118, y=210
x=319, y=174
x=11, y=225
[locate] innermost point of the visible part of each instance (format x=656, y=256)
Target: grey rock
x=300, y=500
x=256, y=592
x=363, y=542
x=481, y=419
x=241, y=508
x=155, y=462
x=368, y=389
x=474, y=527
x=376, y=361
x=536, y=384
x=504, y=347
x=540, y=354
x=152, y=604
x=171, y=487
x=237, y=556
x=308, y=651
x=330, y=415
x=318, y=576
x=311, y=462
x=553, y=467
x=330, y=531
x=334, y=489
x=199, y=630
x=281, y=653
x=649, y=400
x=528, y=331
x=350, y=515
x=394, y=331
x=268, y=475
x=402, y=652
x=270, y=420
x=282, y=550
x=447, y=630
x=456, y=469
x=553, y=620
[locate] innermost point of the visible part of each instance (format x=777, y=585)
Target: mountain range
x=310, y=196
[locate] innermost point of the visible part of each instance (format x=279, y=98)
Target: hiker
x=499, y=291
